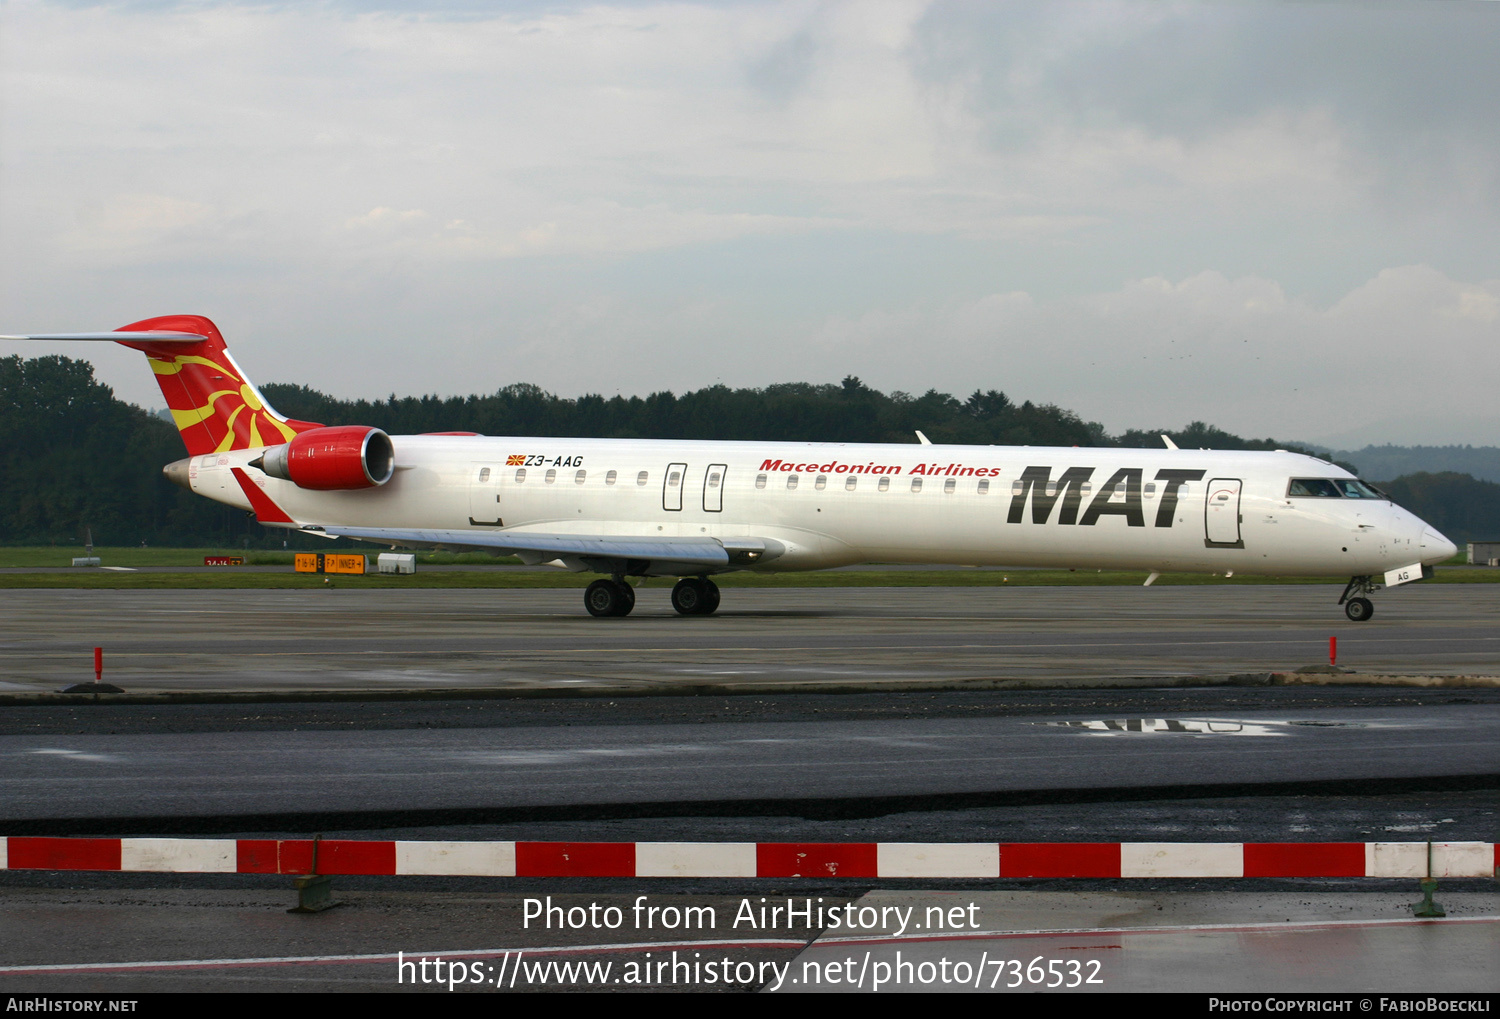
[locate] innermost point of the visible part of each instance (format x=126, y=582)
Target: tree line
x=73, y=459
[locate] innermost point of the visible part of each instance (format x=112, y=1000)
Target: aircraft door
x=672, y=485
x=713, y=488
x=1221, y=514
x=484, y=495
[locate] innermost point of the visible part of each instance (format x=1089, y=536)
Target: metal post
x=314, y=891
x=1428, y=908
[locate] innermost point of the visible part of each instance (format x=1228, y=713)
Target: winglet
x=266, y=511
x=1168, y=440
x=924, y=440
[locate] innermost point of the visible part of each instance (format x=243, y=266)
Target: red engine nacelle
x=332, y=459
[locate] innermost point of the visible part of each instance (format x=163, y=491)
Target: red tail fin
x=215, y=406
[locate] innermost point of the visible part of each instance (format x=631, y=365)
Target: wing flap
x=704, y=552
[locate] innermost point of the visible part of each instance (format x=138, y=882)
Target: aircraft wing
x=674, y=555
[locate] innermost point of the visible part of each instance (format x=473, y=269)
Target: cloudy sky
x=1280, y=218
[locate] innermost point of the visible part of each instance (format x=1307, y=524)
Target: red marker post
x=1333, y=651
x=98, y=686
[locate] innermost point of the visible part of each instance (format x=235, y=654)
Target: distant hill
x=1482, y=462
x=1462, y=507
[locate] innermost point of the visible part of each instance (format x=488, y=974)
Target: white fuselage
x=976, y=505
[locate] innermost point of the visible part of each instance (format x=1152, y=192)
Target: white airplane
x=651, y=508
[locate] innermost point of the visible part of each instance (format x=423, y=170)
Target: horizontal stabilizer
x=704, y=552
x=152, y=336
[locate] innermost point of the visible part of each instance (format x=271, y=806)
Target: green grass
x=60, y=555
x=88, y=578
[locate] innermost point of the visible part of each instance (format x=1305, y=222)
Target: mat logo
x=1119, y=496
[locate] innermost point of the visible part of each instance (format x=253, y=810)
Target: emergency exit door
x=713, y=488
x=1221, y=514
x=671, y=487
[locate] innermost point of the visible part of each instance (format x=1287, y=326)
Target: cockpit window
x=1331, y=488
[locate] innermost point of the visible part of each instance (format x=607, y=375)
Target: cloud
x=1143, y=211
x=1234, y=351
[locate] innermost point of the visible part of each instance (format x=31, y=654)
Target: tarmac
x=426, y=642
x=893, y=714
x=1357, y=943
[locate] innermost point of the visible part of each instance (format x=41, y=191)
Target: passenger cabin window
x=1150, y=489
x=1330, y=488
x=484, y=474
x=791, y=481
x=551, y=476
x=984, y=487
x=609, y=479
x=673, y=479
x=821, y=482
x=1016, y=488
x=578, y=478
x=1085, y=488
x=520, y=475
x=850, y=482
x=885, y=485
x=760, y=481
x=916, y=484
x=950, y=486
x=713, y=479
x=640, y=479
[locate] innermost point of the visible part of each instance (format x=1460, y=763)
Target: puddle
x=1198, y=726
x=1188, y=726
x=77, y=755
x=571, y=756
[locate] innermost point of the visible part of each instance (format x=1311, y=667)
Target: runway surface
x=290, y=772
x=1121, y=940
x=247, y=640
x=1218, y=943
x=1154, y=764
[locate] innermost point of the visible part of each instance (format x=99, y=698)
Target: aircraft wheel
x=607, y=598
x=711, y=597
x=689, y=597
x=1359, y=609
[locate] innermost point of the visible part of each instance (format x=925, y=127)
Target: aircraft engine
x=332, y=459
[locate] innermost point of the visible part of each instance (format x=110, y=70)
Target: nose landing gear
x=1358, y=608
x=695, y=596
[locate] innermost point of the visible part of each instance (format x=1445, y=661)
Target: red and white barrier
x=758, y=859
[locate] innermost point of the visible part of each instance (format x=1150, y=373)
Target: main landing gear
x=695, y=596
x=1358, y=608
x=609, y=598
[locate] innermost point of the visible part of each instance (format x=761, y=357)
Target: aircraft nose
x=1435, y=547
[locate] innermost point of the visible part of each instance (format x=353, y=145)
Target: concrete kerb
x=314, y=861
x=758, y=688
